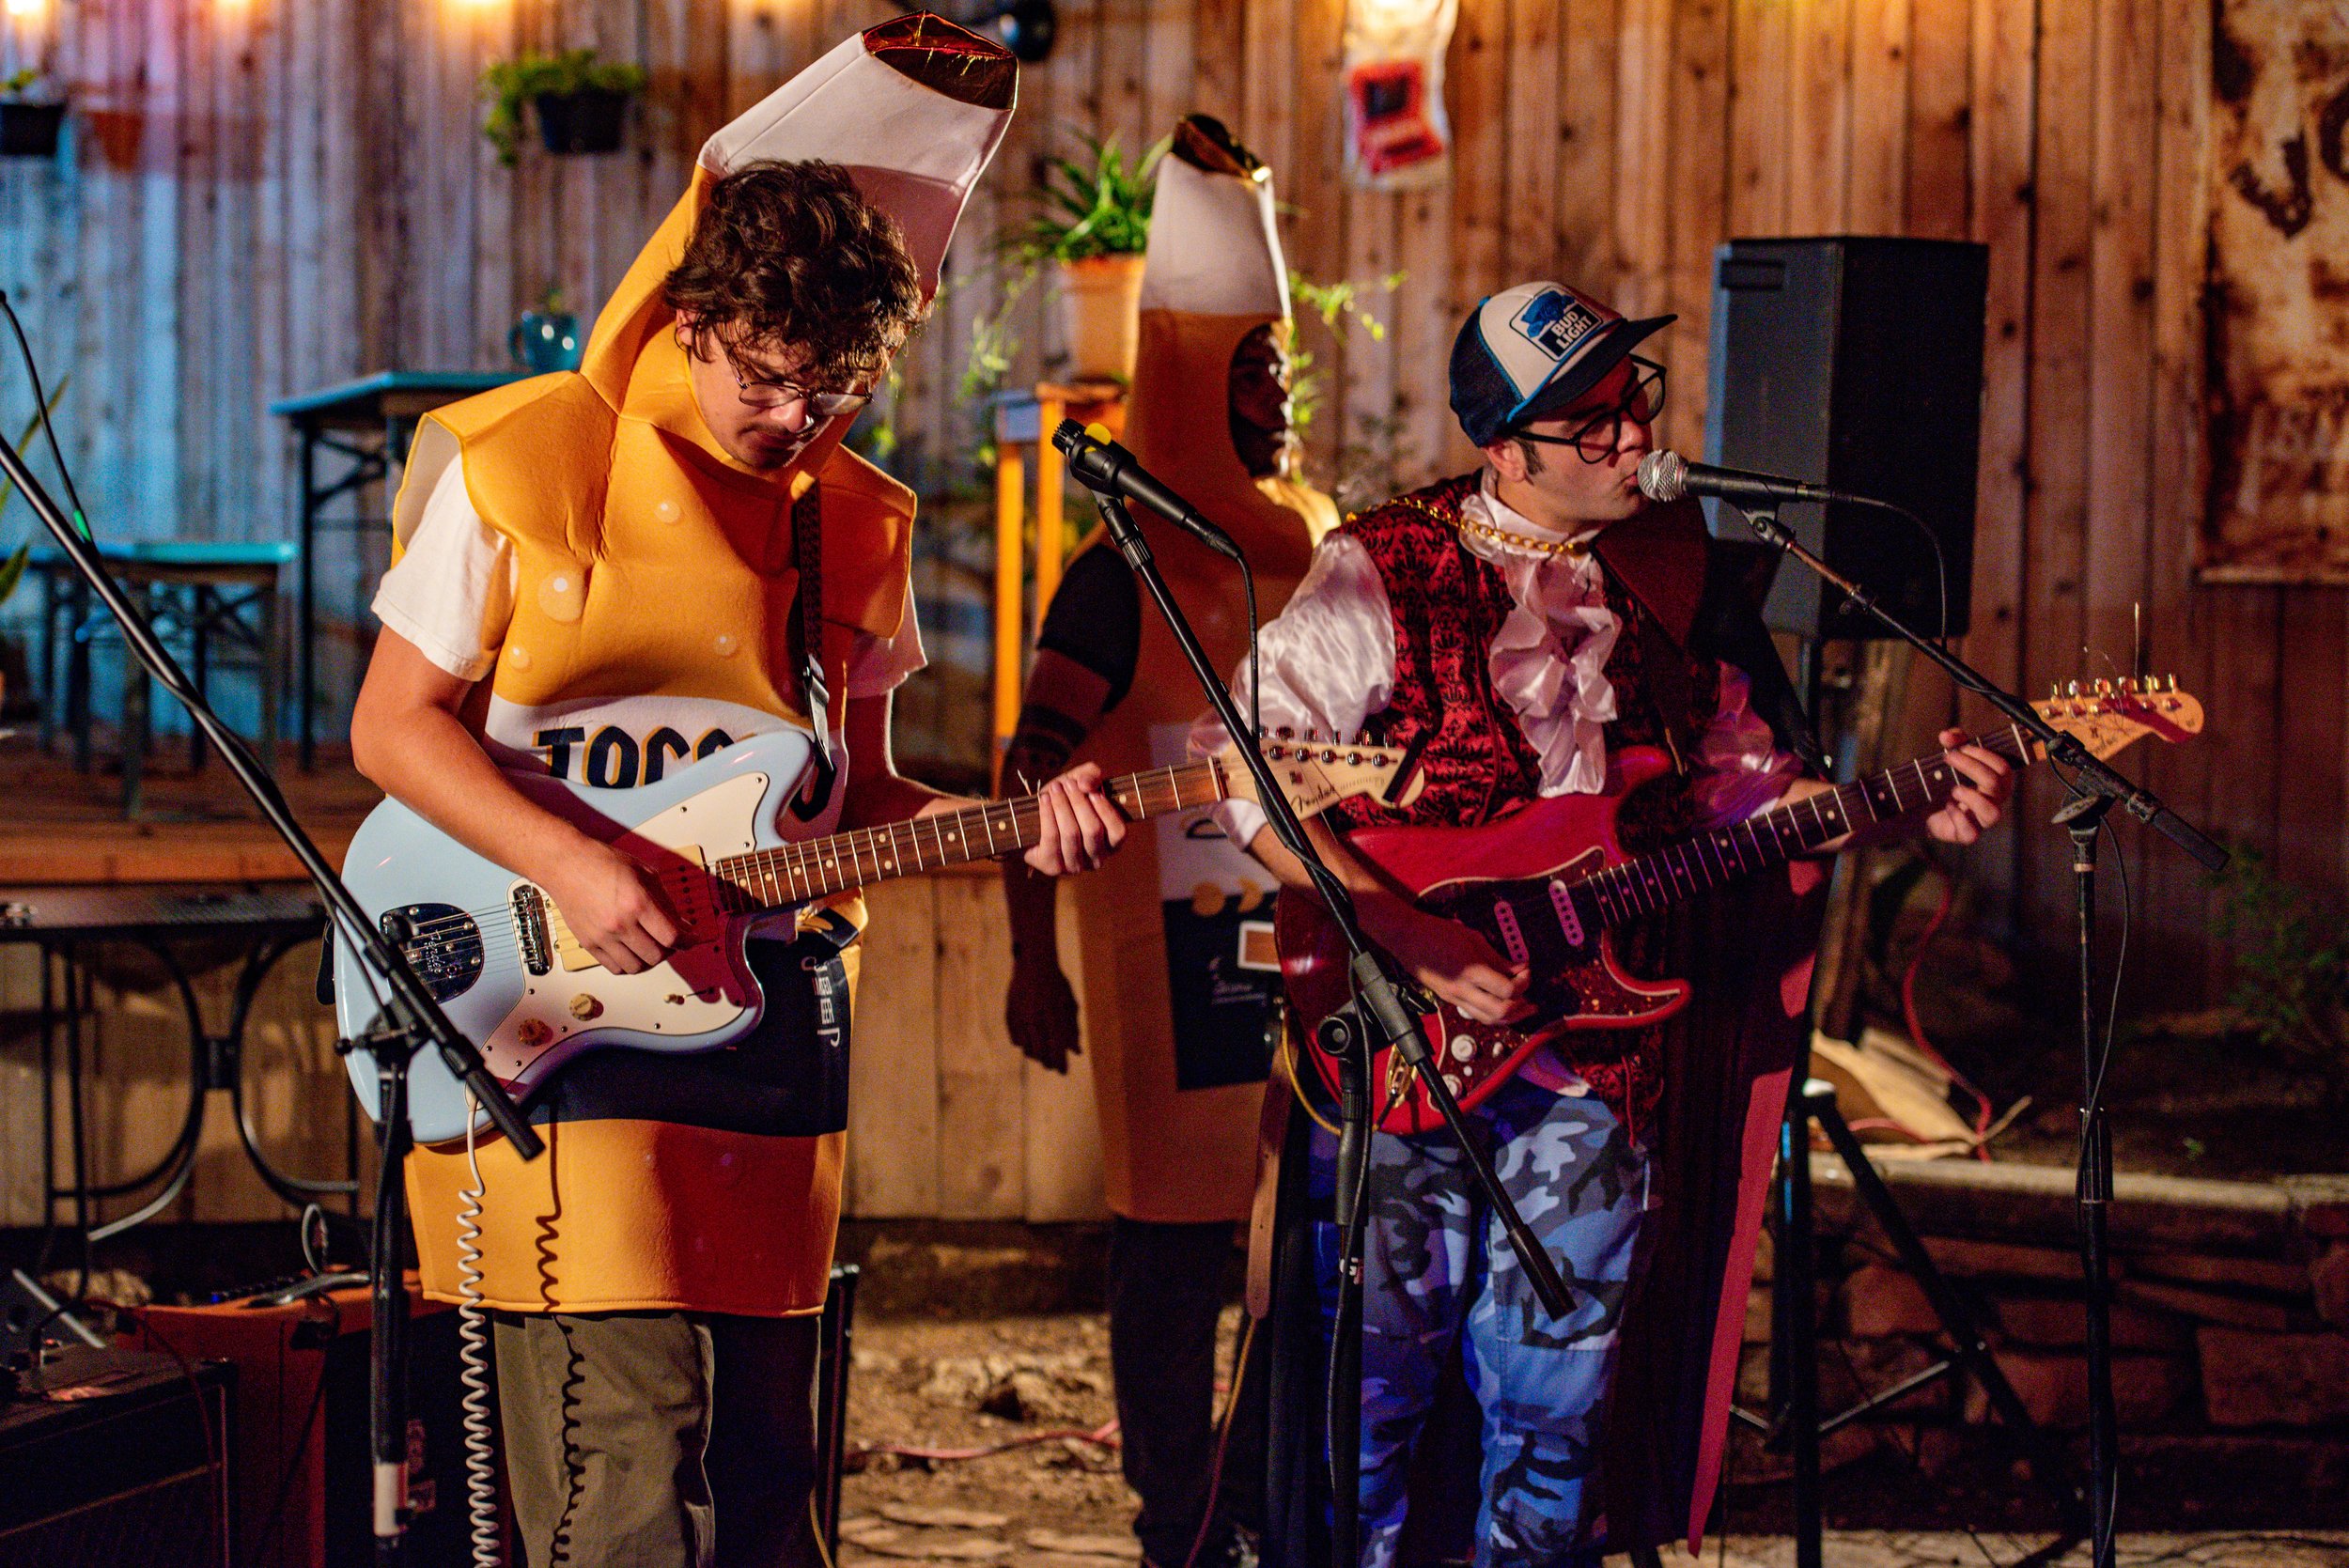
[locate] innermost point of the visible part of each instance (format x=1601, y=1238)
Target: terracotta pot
x=1101, y=306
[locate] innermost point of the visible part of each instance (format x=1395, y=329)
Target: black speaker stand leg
x=1969, y=1350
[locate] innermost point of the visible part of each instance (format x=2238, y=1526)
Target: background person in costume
x=1178, y=970
x=1524, y=624
x=601, y=575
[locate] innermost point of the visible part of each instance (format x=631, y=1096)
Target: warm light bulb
x=27, y=8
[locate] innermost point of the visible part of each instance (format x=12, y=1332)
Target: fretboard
x=1649, y=882
x=795, y=873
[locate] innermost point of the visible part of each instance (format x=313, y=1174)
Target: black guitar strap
x=807, y=623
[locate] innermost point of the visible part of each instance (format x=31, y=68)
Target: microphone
x=1668, y=476
x=1100, y=464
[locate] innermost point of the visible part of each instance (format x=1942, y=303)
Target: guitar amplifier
x=300, y=1439
x=112, y=1456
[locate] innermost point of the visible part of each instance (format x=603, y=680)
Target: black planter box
x=30, y=130
x=585, y=121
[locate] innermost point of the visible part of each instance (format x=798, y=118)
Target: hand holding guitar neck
x=1545, y=889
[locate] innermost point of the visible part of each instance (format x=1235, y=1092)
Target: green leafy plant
x=13, y=85
x=1100, y=207
x=12, y=569
x=1339, y=307
x=2291, y=970
x=510, y=84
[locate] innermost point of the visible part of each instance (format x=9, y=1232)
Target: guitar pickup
x=1511, y=936
x=1569, y=918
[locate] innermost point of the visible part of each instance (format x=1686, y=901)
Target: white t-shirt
x=452, y=595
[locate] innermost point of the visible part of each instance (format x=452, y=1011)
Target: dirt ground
x=921, y=1383
x=961, y=1385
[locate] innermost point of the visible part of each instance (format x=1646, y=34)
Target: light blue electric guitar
x=496, y=952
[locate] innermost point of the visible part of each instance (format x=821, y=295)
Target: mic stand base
x=2083, y=818
x=2095, y=788
x=391, y=1047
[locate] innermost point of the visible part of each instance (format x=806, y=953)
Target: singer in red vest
x=1522, y=625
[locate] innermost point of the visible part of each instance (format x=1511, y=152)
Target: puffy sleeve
x=1740, y=767
x=1328, y=660
x=451, y=592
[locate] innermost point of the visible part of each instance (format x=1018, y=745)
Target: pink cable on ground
x=1917, y=1030
x=1104, y=1436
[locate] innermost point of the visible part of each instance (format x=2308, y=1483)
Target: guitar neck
x=1650, y=882
x=793, y=873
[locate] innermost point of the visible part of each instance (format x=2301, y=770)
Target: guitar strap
x=807, y=629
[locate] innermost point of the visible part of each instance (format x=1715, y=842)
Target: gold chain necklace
x=1574, y=548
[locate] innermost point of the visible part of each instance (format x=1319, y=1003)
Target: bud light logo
x=1554, y=321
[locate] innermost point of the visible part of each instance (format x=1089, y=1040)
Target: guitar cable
x=473, y=1352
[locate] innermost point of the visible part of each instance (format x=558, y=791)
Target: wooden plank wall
x=265, y=196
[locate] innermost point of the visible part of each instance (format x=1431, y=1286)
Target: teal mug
x=545, y=340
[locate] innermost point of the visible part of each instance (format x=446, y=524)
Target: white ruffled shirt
x=1328, y=666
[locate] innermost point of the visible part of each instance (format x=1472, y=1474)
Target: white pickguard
x=697, y=990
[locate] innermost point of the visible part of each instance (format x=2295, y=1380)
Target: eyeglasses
x=824, y=403
x=1596, y=437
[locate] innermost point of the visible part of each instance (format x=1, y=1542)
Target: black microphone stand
x=410, y=1021
x=2095, y=789
x=1378, y=1018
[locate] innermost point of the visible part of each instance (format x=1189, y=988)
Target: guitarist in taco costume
x=1178, y=979
x=1523, y=628
x=606, y=575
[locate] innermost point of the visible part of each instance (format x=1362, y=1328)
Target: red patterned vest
x=1447, y=604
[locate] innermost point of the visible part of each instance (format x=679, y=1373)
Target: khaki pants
x=659, y=1439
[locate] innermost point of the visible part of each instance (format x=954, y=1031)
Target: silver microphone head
x=1663, y=475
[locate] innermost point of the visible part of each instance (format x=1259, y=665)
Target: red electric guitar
x=1545, y=886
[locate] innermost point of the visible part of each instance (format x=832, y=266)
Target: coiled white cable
x=472, y=1351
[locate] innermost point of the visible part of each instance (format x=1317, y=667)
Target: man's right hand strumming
x=614, y=908
x=1449, y=959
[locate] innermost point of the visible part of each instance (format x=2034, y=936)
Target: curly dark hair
x=792, y=254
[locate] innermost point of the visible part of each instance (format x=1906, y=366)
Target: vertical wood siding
x=262, y=197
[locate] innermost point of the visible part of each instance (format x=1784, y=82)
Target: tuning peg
x=1284, y=733
x=2055, y=691
x=2071, y=687
x=2174, y=680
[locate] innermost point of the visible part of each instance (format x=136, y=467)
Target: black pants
x=1167, y=1288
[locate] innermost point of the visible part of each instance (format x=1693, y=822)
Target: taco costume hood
x=1175, y=929
x=654, y=569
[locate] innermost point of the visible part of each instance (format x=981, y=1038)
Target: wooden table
x=198, y=593
x=1024, y=422
x=368, y=422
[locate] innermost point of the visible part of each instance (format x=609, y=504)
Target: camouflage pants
x=1438, y=1267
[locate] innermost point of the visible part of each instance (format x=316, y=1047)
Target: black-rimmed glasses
x=1596, y=437
x=823, y=402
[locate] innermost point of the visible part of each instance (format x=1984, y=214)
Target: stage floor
x=60, y=826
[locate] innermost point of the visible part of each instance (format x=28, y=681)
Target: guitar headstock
x=2109, y=716
x=1316, y=773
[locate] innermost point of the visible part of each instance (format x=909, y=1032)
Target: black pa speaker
x=1855, y=364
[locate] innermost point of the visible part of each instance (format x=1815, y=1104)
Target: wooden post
x=1050, y=409
x=1010, y=557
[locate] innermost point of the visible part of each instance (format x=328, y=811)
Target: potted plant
x=29, y=121
x=13, y=566
x=1092, y=227
x=581, y=101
